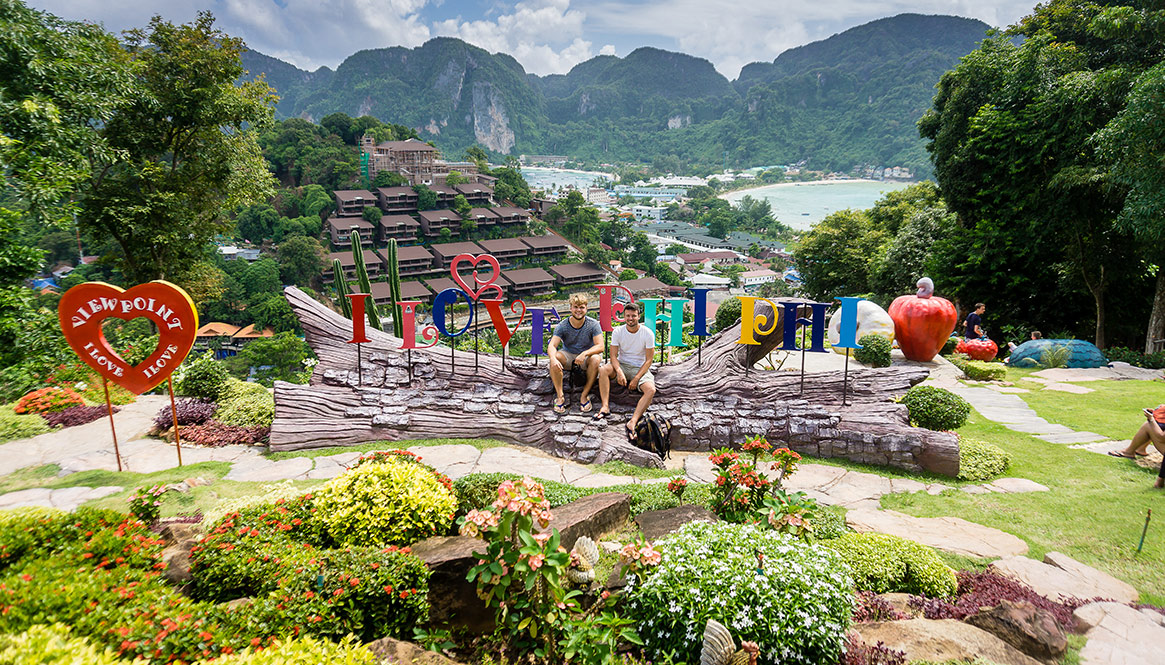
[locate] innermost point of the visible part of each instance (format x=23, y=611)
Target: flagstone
x=1073, y=437
x=950, y=534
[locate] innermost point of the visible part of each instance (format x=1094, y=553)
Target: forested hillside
x=849, y=100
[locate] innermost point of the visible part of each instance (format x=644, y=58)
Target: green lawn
x=1094, y=512
x=1112, y=409
x=480, y=444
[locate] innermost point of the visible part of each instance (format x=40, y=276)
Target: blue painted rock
x=1080, y=353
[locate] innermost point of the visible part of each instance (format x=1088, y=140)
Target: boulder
x=177, y=560
x=942, y=640
x=451, y=596
x=1024, y=626
x=949, y=534
x=177, y=532
x=593, y=516
x=901, y=603
x=1118, y=633
x=656, y=524
x=1059, y=575
x=394, y=651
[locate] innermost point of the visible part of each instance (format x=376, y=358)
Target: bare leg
x=644, y=402
x=592, y=374
x=605, y=373
x=1141, y=440
x=556, y=374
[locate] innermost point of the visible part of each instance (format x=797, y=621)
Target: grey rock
x=1024, y=626
x=656, y=524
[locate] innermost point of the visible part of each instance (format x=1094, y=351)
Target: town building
x=373, y=263
x=475, y=193
x=652, y=213
x=530, y=282
x=409, y=290
x=573, y=274
x=401, y=227
x=717, y=258
x=506, y=250
x=351, y=202
x=548, y=246
x=508, y=216
x=413, y=261
x=415, y=161
x=397, y=199
x=340, y=229
x=432, y=221
x=647, y=287
x=752, y=278
x=482, y=217
x=444, y=253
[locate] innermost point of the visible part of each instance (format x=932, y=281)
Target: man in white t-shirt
x=632, y=351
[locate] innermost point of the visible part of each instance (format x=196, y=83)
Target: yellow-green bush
x=305, y=651
x=979, y=460
x=13, y=426
x=52, y=645
x=245, y=404
x=388, y=503
x=883, y=563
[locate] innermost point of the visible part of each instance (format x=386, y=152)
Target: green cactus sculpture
x=362, y=280
x=394, y=289
x=341, y=283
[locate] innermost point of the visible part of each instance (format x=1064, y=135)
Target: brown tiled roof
x=444, y=189
x=504, y=245
x=370, y=258
x=354, y=193
x=439, y=284
x=346, y=223
x=473, y=188
x=408, y=290
x=644, y=284
x=475, y=213
x=528, y=276
x=393, y=221
x=217, y=329
x=700, y=256
x=413, y=253
x=396, y=191
x=508, y=211
x=409, y=145
x=250, y=333
x=543, y=242
x=451, y=249
x=579, y=270
x=438, y=215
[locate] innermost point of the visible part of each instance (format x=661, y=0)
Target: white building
x=706, y=281
x=752, y=278
x=651, y=213
x=597, y=196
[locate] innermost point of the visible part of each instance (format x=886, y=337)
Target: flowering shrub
x=391, y=502
x=639, y=558
x=88, y=384
x=797, y=608
x=89, y=536
x=304, y=650
x=251, y=407
x=76, y=415
x=883, y=563
x=53, y=645
x=858, y=652
x=403, y=456
x=869, y=606
x=987, y=589
x=146, y=503
x=191, y=411
x=739, y=490
x=201, y=376
x=677, y=486
x=520, y=573
x=13, y=426
x=284, y=494
x=46, y=400
x=214, y=434
x=785, y=464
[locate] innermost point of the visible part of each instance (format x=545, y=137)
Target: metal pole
x=803, y=329
x=1144, y=531
x=845, y=379
x=174, y=414
x=359, y=366
x=410, y=361
x=109, y=408
x=475, y=337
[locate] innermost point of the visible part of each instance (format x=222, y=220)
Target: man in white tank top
x=632, y=352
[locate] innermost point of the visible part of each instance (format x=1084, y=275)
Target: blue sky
x=546, y=36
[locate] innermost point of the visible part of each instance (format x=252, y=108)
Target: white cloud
x=544, y=35
x=608, y=49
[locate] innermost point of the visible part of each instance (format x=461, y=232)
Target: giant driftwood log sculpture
x=713, y=404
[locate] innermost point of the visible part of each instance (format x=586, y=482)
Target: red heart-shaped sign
x=483, y=286
x=85, y=306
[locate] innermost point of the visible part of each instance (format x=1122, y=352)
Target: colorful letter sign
x=84, y=307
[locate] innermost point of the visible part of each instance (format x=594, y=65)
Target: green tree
x=261, y=278
x=426, y=198
x=895, y=208
x=460, y=205
x=301, y=260
x=468, y=226
x=1133, y=143
x=371, y=214
x=909, y=254
x=186, y=145
x=256, y=222
x=511, y=186
x=835, y=257
x=389, y=179
x=454, y=177
x=277, y=358
x=571, y=203
x=643, y=253
x=274, y=312
x=628, y=274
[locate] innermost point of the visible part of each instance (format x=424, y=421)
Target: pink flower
x=541, y=539
x=536, y=561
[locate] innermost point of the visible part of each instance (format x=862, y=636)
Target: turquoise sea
x=801, y=205
x=543, y=178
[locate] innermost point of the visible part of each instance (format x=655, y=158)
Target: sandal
x=630, y=434
x=586, y=406
x=1121, y=454
x=560, y=407
x=601, y=415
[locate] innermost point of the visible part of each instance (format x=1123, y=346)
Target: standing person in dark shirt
x=581, y=339
x=975, y=322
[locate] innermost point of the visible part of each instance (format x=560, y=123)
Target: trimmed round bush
x=979, y=460
x=202, y=376
x=194, y=411
x=728, y=313
x=245, y=404
x=13, y=426
x=827, y=524
x=981, y=370
x=875, y=351
x=883, y=563
x=799, y=609
x=936, y=408
x=47, y=400
x=388, y=503
x=949, y=346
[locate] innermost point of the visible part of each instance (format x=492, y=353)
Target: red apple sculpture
x=978, y=349
x=922, y=322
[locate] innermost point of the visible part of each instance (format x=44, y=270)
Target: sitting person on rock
x=632, y=350
x=1153, y=431
x=581, y=339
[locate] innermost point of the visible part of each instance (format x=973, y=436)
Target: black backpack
x=578, y=376
x=653, y=433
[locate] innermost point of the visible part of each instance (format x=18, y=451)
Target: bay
x=544, y=178
x=801, y=205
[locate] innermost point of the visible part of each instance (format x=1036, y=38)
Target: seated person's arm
x=595, y=350
x=644, y=368
x=620, y=377
x=552, y=350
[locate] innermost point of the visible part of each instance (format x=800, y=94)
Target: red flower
x=256, y=641
x=337, y=592
x=354, y=581
x=205, y=636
